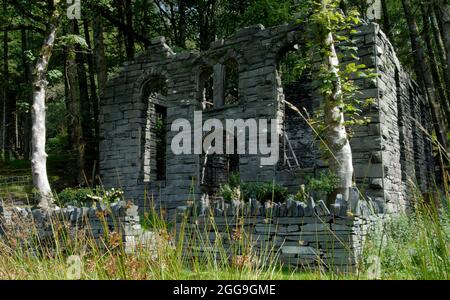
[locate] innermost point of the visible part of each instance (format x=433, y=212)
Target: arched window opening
x=206, y=87
x=231, y=83
x=154, y=85
x=155, y=132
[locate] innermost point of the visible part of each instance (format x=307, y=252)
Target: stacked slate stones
x=294, y=233
x=96, y=222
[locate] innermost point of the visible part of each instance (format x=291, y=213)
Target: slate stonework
x=294, y=234
x=387, y=153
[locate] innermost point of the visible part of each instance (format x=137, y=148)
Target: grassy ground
x=410, y=247
x=413, y=247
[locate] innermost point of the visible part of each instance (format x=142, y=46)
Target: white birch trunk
x=38, y=112
x=341, y=162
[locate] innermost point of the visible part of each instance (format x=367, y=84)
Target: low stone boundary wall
x=293, y=233
x=95, y=223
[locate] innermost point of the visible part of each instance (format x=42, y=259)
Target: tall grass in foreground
x=414, y=246
x=162, y=260
x=410, y=247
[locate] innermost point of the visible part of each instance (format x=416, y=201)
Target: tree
x=340, y=161
x=38, y=141
x=7, y=99
x=424, y=74
x=444, y=8
x=438, y=83
x=93, y=89
x=324, y=23
x=99, y=52
x=386, y=19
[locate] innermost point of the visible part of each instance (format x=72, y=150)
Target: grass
x=410, y=247
x=414, y=246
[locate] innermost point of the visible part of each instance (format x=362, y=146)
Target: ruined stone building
x=240, y=77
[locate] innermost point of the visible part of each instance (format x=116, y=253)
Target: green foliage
x=73, y=40
x=231, y=190
x=264, y=191
x=234, y=180
x=87, y=196
x=326, y=182
x=414, y=246
x=301, y=194
x=54, y=76
x=229, y=193
x=58, y=144
x=261, y=191
x=57, y=120
x=320, y=18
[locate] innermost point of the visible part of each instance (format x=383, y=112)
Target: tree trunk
x=182, y=24
x=27, y=76
x=38, y=131
x=386, y=19
x=434, y=65
x=424, y=74
x=94, y=96
x=207, y=30
x=86, y=158
x=445, y=14
x=121, y=40
x=3, y=127
x=341, y=161
x=340, y=152
x=441, y=51
x=72, y=85
x=7, y=117
x=99, y=53
x=129, y=42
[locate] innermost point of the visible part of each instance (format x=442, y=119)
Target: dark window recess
x=298, y=141
x=154, y=131
x=218, y=169
x=231, y=82
x=206, y=87
x=161, y=141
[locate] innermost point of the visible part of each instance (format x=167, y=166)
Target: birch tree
x=340, y=159
x=325, y=23
x=38, y=112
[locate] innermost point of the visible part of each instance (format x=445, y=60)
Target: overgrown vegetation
x=86, y=196
x=261, y=191
x=324, y=183
x=412, y=248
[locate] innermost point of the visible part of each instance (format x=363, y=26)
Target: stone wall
x=94, y=224
x=387, y=152
x=294, y=233
x=405, y=120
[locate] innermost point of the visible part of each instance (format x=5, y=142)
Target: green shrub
x=326, y=182
x=58, y=144
x=264, y=191
x=301, y=194
x=235, y=180
x=87, y=196
x=229, y=193
x=231, y=190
